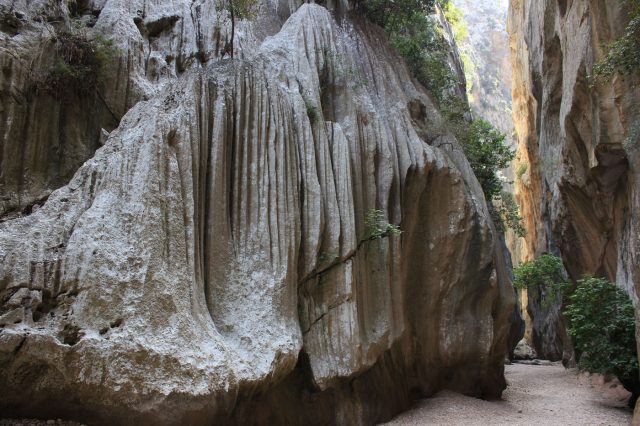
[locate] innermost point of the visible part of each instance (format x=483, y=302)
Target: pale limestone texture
x=210, y=263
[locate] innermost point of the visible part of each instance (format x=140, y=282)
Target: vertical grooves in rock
x=210, y=318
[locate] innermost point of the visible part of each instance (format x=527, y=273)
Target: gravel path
x=536, y=395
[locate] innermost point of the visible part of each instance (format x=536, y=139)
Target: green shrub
x=312, y=111
x=602, y=326
x=376, y=226
x=327, y=257
x=507, y=214
x=623, y=55
x=79, y=67
x=385, y=12
x=418, y=38
x=544, y=273
x=488, y=153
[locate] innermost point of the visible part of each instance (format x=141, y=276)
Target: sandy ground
x=536, y=395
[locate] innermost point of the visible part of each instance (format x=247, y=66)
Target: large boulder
x=215, y=261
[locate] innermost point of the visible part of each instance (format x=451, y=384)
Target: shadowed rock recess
x=579, y=192
x=210, y=263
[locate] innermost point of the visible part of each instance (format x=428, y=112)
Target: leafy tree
x=602, y=326
x=545, y=272
x=456, y=19
x=487, y=153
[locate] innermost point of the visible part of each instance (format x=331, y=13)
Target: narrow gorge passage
x=536, y=395
x=327, y=212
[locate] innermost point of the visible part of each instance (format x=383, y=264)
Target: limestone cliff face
x=487, y=47
x=212, y=261
x=580, y=191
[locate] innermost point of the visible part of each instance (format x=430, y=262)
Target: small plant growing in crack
x=325, y=257
x=376, y=226
x=312, y=111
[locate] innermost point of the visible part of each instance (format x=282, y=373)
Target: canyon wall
x=204, y=239
x=579, y=190
x=487, y=59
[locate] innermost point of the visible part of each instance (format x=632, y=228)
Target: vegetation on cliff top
x=488, y=153
x=418, y=38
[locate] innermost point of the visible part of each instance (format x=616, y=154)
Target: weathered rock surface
x=488, y=74
x=524, y=351
x=210, y=263
x=580, y=192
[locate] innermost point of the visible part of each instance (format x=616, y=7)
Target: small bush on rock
x=418, y=38
x=376, y=226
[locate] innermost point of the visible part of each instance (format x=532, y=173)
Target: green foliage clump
x=602, y=326
x=544, y=273
x=507, y=214
x=327, y=257
x=79, y=67
x=487, y=153
x=312, y=111
x=376, y=226
x=418, y=38
x=394, y=12
x=623, y=55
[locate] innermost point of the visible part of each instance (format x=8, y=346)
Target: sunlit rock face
x=212, y=262
x=488, y=63
x=579, y=192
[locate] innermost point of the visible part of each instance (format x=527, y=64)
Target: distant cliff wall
x=579, y=190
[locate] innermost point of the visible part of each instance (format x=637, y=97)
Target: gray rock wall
x=212, y=262
x=579, y=194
